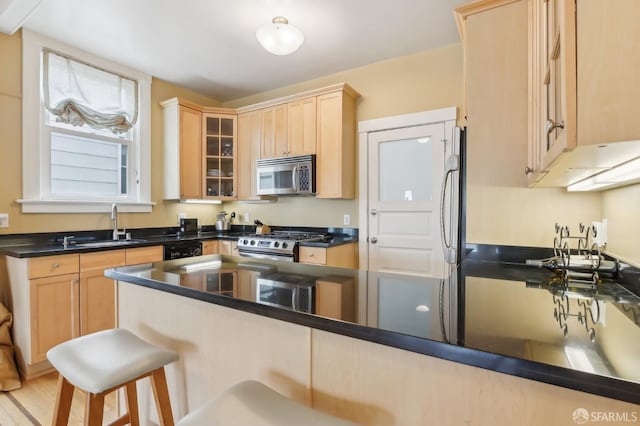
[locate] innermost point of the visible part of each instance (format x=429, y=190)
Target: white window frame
x=36, y=172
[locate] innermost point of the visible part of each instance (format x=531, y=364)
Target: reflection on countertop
x=518, y=317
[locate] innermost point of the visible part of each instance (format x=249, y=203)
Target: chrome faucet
x=114, y=218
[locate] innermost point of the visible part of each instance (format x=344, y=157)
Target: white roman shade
x=79, y=94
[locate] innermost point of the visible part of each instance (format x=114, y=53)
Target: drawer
x=136, y=256
x=316, y=255
x=49, y=266
x=102, y=260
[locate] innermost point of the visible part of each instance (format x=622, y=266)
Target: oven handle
x=293, y=298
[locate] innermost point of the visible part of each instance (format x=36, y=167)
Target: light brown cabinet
x=495, y=95
x=182, y=150
x=301, y=127
x=228, y=247
x=56, y=298
x=97, y=292
x=249, y=146
x=274, y=132
x=210, y=247
x=584, y=67
x=335, y=145
x=220, y=160
x=343, y=256
x=320, y=122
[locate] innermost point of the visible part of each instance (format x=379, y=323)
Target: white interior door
x=405, y=171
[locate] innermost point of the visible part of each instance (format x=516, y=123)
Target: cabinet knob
x=55, y=265
x=374, y=212
x=528, y=170
x=373, y=240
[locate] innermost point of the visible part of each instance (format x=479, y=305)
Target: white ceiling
x=210, y=47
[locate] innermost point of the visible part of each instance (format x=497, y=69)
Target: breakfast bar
x=380, y=348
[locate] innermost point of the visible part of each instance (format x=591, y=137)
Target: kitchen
x=422, y=87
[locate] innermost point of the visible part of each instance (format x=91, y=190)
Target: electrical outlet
x=347, y=219
x=4, y=220
x=181, y=216
x=246, y=217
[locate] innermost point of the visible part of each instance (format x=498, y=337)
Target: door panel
x=405, y=175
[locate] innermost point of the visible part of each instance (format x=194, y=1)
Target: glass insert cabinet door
x=220, y=156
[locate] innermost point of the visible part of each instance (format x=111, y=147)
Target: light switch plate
x=346, y=219
x=4, y=220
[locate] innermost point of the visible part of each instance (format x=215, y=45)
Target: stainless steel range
x=276, y=245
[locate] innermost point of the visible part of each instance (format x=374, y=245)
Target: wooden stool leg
x=63, y=402
x=161, y=396
x=132, y=403
x=94, y=408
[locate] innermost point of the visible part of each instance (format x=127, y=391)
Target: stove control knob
x=253, y=242
x=245, y=242
x=285, y=245
x=277, y=244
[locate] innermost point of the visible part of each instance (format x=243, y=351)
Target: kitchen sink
x=109, y=243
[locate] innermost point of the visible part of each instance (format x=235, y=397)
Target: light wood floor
x=33, y=404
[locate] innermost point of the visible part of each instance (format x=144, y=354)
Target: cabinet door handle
x=552, y=125
x=528, y=170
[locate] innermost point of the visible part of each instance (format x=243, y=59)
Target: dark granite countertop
x=492, y=313
x=50, y=244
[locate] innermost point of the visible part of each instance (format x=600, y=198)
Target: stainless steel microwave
x=287, y=176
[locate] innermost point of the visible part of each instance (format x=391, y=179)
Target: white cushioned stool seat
x=251, y=403
x=103, y=360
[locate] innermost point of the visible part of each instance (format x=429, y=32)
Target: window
x=85, y=131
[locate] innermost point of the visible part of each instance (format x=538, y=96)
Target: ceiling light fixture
x=279, y=37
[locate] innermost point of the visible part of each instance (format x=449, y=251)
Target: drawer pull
x=56, y=265
x=311, y=254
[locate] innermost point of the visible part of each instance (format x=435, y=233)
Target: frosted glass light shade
x=279, y=37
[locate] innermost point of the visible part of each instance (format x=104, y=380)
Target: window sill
x=76, y=206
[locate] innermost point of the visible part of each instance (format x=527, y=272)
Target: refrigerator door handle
x=452, y=164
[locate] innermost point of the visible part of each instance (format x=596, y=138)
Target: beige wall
x=420, y=82
x=620, y=207
x=164, y=213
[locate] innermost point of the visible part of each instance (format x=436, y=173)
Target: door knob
x=552, y=125
x=373, y=240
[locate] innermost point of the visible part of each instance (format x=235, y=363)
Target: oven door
x=276, y=179
x=296, y=297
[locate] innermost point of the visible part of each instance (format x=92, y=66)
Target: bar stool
x=251, y=403
x=102, y=362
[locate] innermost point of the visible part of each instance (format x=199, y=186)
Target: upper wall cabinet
x=320, y=122
x=200, y=158
x=336, y=146
x=249, y=146
x=584, y=65
x=220, y=159
x=182, y=150
x=274, y=132
x=494, y=37
x=301, y=127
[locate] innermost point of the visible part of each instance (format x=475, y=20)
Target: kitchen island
x=386, y=349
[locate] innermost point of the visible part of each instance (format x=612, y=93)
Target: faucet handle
x=66, y=240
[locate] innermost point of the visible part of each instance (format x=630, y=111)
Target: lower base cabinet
x=53, y=314
x=229, y=248
x=57, y=298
